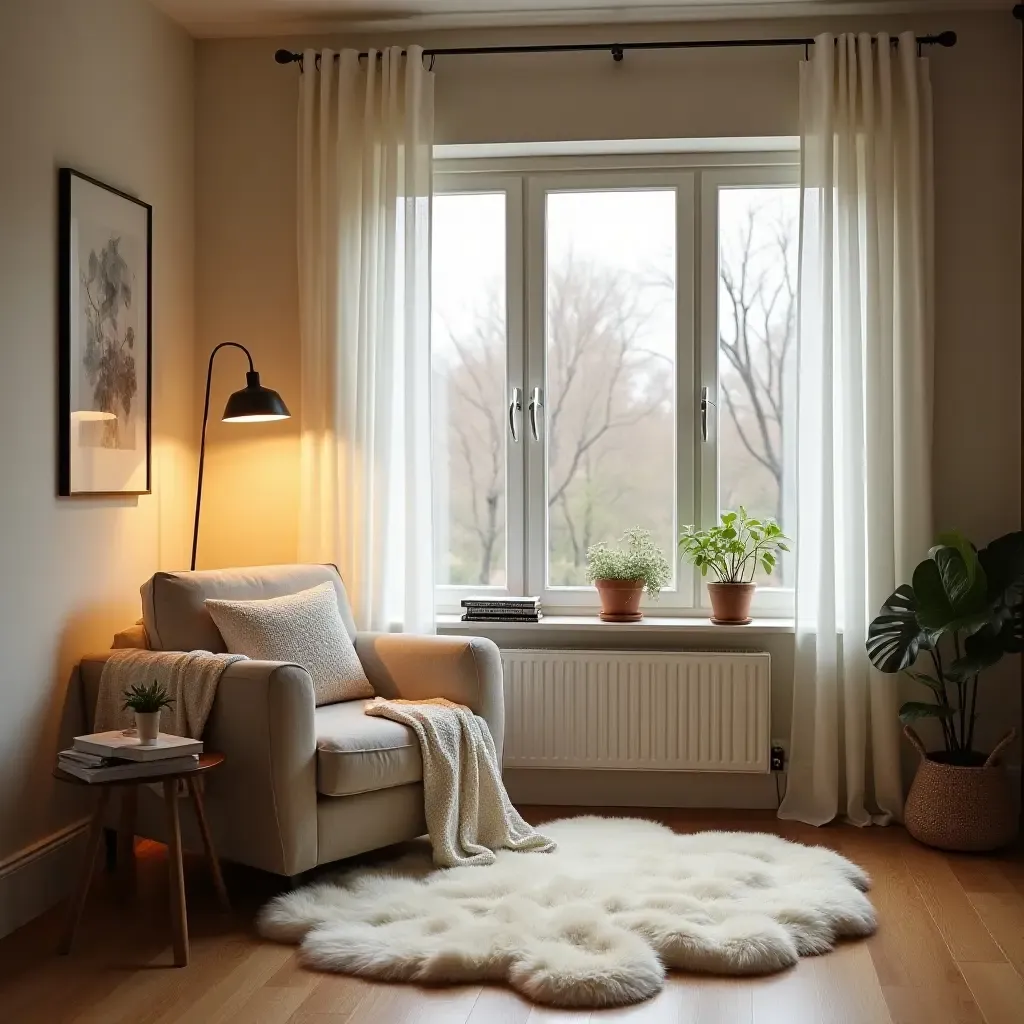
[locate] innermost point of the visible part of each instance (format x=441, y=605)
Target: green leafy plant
x=146, y=699
x=733, y=550
x=634, y=557
x=964, y=609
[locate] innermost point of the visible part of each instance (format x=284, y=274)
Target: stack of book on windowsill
x=502, y=609
x=109, y=756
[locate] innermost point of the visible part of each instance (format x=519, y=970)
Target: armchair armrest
x=262, y=800
x=264, y=795
x=466, y=670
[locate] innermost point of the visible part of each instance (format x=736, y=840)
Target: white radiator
x=694, y=711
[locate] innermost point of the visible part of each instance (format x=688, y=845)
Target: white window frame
x=696, y=179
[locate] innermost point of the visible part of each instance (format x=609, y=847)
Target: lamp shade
x=255, y=403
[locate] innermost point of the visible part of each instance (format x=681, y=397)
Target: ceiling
x=205, y=18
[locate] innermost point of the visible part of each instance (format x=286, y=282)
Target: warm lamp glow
x=253, y=404
x=256, y=418
x=92, y=416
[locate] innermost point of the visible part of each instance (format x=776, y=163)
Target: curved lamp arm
x=202, y=442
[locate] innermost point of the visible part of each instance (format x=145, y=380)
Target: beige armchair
x=304, y=785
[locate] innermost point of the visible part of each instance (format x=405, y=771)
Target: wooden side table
x=129, y=795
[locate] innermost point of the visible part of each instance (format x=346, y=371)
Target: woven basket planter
x=961, y=808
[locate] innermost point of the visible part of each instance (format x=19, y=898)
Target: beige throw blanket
x=468, y=812
x=190, y=678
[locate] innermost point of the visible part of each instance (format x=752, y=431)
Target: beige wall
x=246, y=280
x=106, y=87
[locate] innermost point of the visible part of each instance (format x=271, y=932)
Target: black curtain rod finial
x=1018, y=12
x=946, y=39
x=287, y=57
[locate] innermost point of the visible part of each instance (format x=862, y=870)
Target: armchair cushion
x=304, y=629
x=358, y=754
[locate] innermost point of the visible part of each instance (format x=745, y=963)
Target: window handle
x=704, y=403
x=536, y=402
x=514, y=408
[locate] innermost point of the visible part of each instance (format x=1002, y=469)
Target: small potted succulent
x=623, y=571
x=732, y=552
x=147, y=701
x=964, y=611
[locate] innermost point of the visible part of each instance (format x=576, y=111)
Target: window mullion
x=535, y=525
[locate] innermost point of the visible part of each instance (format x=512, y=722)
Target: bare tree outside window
x=757, y=311
x=610, y=358
x=610, y=418
x=469, y=345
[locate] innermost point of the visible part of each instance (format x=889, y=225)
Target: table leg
x=195, y=789
x=179, y=920
x=126, y=829
x=88, y=867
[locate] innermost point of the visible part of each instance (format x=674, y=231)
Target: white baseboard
x=609, y=788
x=37, y=877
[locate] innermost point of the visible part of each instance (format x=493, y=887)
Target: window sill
x=452, y=625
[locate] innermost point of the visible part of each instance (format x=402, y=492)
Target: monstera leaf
x=981, y=651
x=913, y=710
x=951, y=588
x=896, y=636
x=1003, y=562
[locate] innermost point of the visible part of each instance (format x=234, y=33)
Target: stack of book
x=110, y=756
x=502, y=609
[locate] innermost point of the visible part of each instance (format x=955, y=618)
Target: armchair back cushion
x=303, y=629
x=175, y=614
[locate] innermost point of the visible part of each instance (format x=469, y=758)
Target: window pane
x=468, y=361
x=757, y=309
x=610, y=340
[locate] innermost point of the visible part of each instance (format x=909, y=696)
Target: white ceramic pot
x=147, y=727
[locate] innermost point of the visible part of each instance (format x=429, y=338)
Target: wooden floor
x=950, y=948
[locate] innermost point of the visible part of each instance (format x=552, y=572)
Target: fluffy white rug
x=595, y=923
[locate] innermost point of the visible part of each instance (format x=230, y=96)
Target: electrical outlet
x=777, y=759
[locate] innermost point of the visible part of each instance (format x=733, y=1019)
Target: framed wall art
x=105, y=328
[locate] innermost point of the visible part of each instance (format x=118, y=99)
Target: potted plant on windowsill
x=622, y=572
x=964, y=609
x=732, y=552
x=147, y=701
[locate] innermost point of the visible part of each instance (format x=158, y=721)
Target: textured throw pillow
x=304, y=628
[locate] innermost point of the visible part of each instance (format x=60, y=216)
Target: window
x=580, y=315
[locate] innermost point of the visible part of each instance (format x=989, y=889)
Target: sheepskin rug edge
x=595, y=923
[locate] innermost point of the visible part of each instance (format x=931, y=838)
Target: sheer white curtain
x=864, y=410
x=364, y=195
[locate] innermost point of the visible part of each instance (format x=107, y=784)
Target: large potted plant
x=962, y=612
x=732, y=552
x=623, y=571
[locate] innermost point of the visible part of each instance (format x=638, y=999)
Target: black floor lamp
x=253, y=404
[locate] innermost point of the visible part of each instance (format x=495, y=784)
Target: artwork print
x=105, y=344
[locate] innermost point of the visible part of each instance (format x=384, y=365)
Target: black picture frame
x=94, y=457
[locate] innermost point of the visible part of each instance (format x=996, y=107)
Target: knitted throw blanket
x=468, y=812
x=190, y=678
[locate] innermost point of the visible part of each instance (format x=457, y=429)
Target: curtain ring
x=430, y=66
x=807, y=52
x=318, y=61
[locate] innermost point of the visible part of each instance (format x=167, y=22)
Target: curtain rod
x=617, y=50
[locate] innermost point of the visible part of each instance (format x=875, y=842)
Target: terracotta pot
x=620, y=600
x=730, y=603
x=960, y=807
